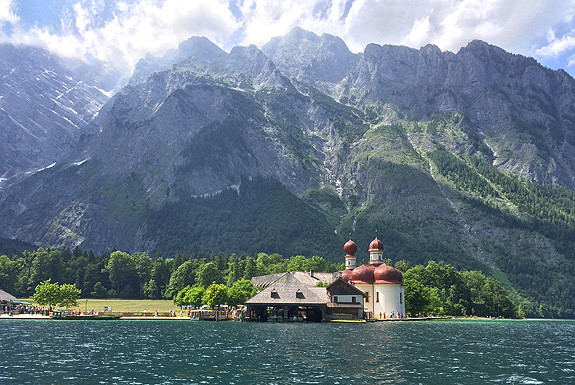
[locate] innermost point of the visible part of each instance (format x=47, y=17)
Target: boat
x=69, y=315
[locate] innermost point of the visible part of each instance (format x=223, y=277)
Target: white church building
x=382, y=284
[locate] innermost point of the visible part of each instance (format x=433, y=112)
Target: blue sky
x=120, y=32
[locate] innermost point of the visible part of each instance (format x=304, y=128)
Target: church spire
x=350, y=249
x=376, y=252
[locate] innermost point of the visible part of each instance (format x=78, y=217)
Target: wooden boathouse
x=294, y=296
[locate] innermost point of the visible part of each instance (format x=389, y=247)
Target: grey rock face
x=524, y=112
x=322, y=61
x=45, y=102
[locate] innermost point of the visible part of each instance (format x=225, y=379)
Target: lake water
x=181, y=352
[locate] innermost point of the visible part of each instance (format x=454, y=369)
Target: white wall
x=391, y=300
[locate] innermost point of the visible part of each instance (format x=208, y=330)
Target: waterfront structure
x=373, y=290
x=382, y=284
x=294, y=296
x=6, y=297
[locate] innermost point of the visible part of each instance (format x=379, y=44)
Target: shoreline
x=373, y=320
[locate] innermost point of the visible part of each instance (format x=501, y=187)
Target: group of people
x=392, y=315
x=16, y=308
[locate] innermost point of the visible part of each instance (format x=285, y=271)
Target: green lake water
x=181, y=352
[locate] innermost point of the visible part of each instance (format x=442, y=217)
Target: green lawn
x=126, y=305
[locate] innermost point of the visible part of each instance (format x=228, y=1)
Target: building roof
x=376, y=245
x=4, y=296
x=289, y=290
x=312, y=278
x=341, y=287
x=264, y=281
x=307, y=278
x=350, y=248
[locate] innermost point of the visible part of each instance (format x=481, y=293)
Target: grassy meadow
x=126, y=305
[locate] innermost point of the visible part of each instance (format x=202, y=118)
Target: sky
x=120, y=32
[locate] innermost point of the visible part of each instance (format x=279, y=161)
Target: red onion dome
x=363, y=274
x=387, y=274
x=376, y=245
x=346, y=275
x=350, y=247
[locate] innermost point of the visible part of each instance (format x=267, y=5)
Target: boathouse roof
x=307, y=278
x=4, y=296
x=289, y=290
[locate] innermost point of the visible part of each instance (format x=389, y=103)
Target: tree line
x=139, y=276
x=437, y=288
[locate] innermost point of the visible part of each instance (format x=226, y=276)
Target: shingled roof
x=264, y=281
x=289, y=290
x=307, y=278
x=4, y=296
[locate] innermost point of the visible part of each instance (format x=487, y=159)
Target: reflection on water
x=170, y=352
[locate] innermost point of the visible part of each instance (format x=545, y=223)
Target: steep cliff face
x=190, y=131
x=521, y=110
x=45, y=102
x=322, y=61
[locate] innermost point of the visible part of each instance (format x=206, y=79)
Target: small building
x=6, y=297
x=346, y=301
x=294, y=296
x=287, y=298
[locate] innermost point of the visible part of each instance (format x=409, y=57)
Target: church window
x=401, y=298
x=366, y=297
x=377, y=296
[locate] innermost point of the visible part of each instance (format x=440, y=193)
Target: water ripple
x=168, y=352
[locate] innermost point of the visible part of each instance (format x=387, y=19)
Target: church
x=373, y=290
x=381, y=283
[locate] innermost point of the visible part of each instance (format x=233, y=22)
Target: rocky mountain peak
x=196, y=49
x=304, y=56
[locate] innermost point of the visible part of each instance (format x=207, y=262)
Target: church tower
x=376, y=252
x=350, y=249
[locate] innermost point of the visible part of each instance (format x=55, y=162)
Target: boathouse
x=287, y=298
x=294, y=296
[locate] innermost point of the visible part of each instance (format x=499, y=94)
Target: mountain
x=45, y=101
x=464, y=157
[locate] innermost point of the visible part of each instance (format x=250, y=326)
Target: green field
x=126, y=305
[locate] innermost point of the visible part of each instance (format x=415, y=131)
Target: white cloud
x=515, y=25
x=122, y=32
x=558, y=46
x=7, y=14
x=450, y=24
x=135, y=29
x=419, y=34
